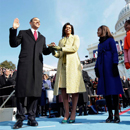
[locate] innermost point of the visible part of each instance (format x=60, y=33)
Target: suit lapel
x=39, y=36
x=29, y=32
x=66, y=41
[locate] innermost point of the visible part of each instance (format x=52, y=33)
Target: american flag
x=95, y=52
x=122, y=45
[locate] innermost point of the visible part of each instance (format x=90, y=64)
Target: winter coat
x=74, y=79
x=30, y=64
x=107, y=56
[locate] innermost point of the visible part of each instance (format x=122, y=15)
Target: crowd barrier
x=9, y=113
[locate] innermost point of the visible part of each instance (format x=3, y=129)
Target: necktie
x=35, y=35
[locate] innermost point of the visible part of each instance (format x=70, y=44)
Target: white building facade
x=49, y=70
x=119, y=36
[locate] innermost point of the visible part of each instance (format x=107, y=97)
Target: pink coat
x=127, y=55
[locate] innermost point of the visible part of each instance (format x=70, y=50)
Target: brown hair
x=33, y=18
x=106, y=31
x=46, y=76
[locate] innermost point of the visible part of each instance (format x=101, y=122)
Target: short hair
x=63, y=29
x=33, y=18
x=127, y=21
x=106, y=31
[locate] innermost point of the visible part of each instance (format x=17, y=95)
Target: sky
x=85, y=15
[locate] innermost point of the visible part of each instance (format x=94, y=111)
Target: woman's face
x=99, y=32
x=44, y=77
x=127, y=26
x=68, y=30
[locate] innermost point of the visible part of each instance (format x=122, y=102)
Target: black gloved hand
x=96, y=72
x=52, y=50
x=115, y=70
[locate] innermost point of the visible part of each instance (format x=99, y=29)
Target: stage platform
x=89, y=122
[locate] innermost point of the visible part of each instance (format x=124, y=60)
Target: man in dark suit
x=29, y=70
x=126, y=95
x=83, y=97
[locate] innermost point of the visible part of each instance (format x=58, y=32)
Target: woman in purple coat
x=106, y=69
x=46, y=84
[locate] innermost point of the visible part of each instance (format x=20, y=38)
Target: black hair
x=127, y=21
x=63, y=29
x=33, y=18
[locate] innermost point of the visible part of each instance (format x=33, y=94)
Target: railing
x=8, y=96
x=8, y=87
x=89, y=65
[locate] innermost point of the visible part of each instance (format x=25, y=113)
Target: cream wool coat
x=74, y=79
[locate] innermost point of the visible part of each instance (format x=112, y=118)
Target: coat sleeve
x=126, y=56
x=45, y=50
x=50, y=85
x=114, y=50
x=74, y=47
x=128, y=39
x=13, y=39
x=96, y=65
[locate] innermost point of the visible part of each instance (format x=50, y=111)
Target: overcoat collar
x=29, y=32
x=67, y=39
x=70, y=36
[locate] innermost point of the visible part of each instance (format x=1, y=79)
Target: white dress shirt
x=33, y=31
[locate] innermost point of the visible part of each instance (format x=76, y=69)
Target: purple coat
x=107, y=55
x=47, y=82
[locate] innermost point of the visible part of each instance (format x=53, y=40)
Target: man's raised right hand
x=16, y=23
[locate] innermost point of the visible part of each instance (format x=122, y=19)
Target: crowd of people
x=8, y=78
x=93, y=60
x=71, y=82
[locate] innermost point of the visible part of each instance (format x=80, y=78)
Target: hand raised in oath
x=16, y=23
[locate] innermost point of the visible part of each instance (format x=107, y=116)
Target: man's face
x=35, y=24
x=7, y=72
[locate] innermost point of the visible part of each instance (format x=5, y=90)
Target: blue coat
x=107, y=55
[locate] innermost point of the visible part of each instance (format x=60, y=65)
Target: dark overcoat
x=125, y=84
x=107, y=56
x=83, y=97
x=30, y=64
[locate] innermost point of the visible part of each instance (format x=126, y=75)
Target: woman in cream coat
x=69, y=75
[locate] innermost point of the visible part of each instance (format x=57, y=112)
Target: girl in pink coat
x=127, y=45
